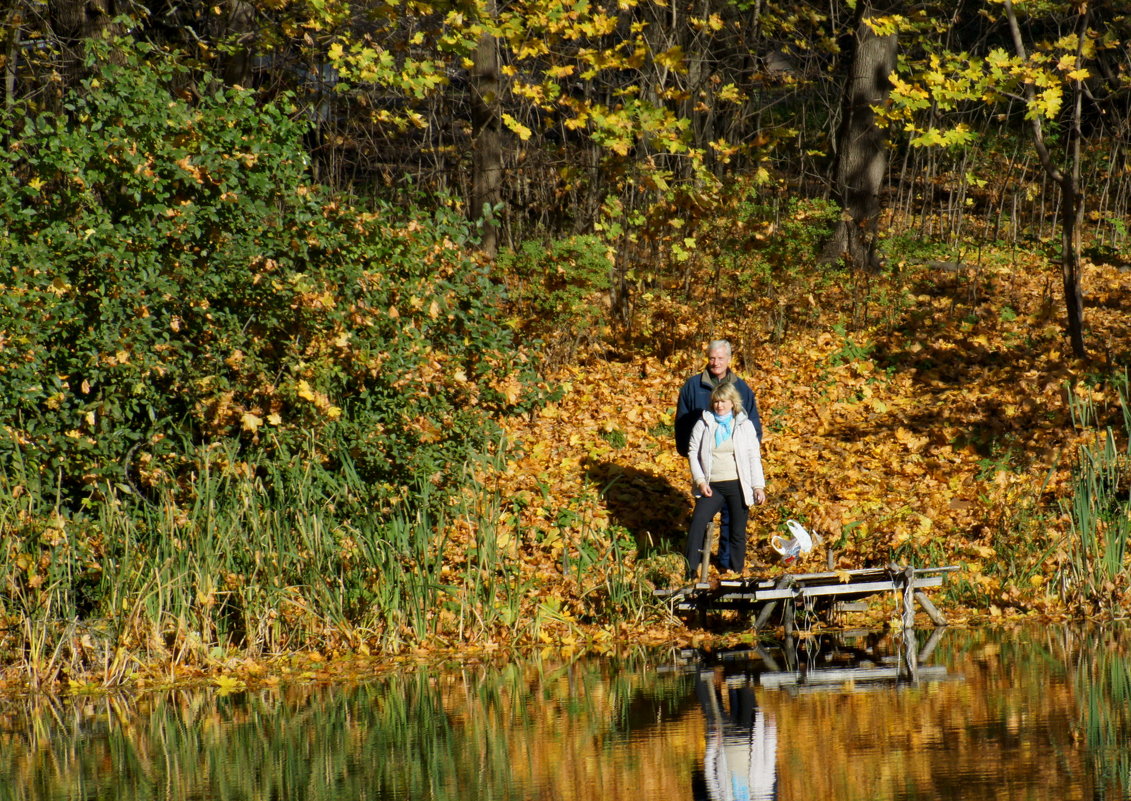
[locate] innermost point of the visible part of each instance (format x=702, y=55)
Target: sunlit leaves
x=952, y=81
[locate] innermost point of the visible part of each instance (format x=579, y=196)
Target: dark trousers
x=728, y=494
x=724, y=537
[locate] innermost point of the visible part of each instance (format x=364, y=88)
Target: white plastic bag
x=800, y=542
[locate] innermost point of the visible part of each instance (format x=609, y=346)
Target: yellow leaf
x=229, y=684
x=305, y=392
x=672, y=59
x=512, y=389
x=251, y=422
x=521, y=130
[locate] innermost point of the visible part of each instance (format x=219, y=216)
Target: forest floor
x=931, y=425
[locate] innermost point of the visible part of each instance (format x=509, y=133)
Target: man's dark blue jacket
x=695, y=397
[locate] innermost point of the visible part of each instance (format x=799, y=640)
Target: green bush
x=170, y=278
x=561, y=290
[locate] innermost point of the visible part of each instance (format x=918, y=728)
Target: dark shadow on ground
x=647, y=505
x=949, y=364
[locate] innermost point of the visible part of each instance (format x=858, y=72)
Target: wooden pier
x=785, y=598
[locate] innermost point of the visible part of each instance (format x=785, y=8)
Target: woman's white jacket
x=747, y=454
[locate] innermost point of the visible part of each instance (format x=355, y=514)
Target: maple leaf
x=305, y=392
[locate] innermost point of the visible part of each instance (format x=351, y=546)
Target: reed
x=277, y=557
x=1097, y=572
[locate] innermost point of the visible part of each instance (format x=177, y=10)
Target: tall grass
x=269, y=559
x=1097, y=573
x=264, y=560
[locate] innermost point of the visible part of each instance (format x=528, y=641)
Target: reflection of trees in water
x=1042, y=714
x=537, y=728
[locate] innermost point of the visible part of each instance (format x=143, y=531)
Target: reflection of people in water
x=742, y=742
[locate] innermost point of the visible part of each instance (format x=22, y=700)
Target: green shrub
x=170, y=278
x=561, y=290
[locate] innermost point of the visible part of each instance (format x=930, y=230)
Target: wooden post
x=932, y=611
x=708, y=546
x=767, y=610
x=909, y=598
x=910, y=657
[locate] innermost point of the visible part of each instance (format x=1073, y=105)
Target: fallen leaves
x=925, y=444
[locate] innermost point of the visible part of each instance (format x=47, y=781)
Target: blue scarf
x=725, y=428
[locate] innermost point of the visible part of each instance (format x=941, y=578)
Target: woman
x=726, y=467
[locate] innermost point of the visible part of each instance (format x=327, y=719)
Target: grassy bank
x=944, y=429
x=267, y=561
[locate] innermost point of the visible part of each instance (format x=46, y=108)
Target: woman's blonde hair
x=727, y=391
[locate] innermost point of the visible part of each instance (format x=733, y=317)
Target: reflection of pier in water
x=855, y=661
x=740, y=752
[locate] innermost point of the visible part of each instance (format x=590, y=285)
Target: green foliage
x=171, y=279
x=561, y=290
x=615, y=437
x=913, y=247
x=762, y=245
x=1097, y=569
x=850, y=350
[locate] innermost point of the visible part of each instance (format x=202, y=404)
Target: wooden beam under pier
x=821, y=593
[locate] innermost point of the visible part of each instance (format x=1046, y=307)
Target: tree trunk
x=861, y=155
x=73, y=22
x=1071, y=196
x=238, y=30
x=1071, y=208
x=487, y=140
x=14, y=26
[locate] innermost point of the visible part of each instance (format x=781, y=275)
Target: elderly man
x=695, y=397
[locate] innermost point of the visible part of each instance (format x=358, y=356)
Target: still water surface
x=1031, y=714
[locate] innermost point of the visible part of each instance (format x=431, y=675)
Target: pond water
x=1040, y=713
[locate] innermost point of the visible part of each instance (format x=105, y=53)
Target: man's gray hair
x=719, y=344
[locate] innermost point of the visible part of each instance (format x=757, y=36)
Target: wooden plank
x=764, y=595
x=719, y=594
x=844, y=675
